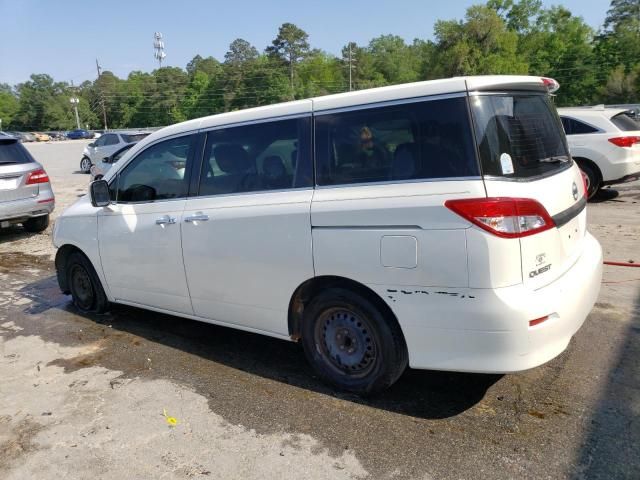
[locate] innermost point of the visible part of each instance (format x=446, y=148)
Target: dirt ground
x=96, y=396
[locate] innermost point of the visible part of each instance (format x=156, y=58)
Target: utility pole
x=104, y=110
x=74, y=101
x=158, y=46
x=351, y=61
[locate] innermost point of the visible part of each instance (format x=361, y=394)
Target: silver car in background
x=26, y=196
x=106, y=145
x=101, y=167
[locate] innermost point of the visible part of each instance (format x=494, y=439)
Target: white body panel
x=461, y=295
x=141, y=259
x=244, y=262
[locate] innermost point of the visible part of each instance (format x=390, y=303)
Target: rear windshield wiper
x=554, y=159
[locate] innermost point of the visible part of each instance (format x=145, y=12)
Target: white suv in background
x=604, y=142
x=438, y=224
x=105, y=146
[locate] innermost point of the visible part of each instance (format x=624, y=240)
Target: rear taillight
x=504, y=217
x=629, y=141
x=37, y=176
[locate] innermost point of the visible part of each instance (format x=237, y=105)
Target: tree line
x=498, y=37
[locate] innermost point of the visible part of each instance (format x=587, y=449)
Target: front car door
x=247, y=235
x=139, y=234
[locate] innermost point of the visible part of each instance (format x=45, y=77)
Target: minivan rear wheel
x=351, y=343
x=85, y=287
x=36, y=224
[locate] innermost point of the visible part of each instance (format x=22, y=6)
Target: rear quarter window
x=576, y=127
x=423, y=140
x=625, y=123
x=13, y=152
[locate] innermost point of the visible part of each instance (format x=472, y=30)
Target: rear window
x=133, y=137
x=423, y=140
x=625, y=123
x=519, y=135
x=13, y=152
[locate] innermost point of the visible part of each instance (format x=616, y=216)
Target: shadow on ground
x=611, y=448
x=605, y=195
x=421, y=394
x=13, y=233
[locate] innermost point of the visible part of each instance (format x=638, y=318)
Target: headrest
x=404, y=161
x=273, y=166
x=232, y=158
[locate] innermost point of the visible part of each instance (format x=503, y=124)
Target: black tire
x=351, y=343
x=36, y=224
x=593, y=178
x=85, y=287
x=85, y=165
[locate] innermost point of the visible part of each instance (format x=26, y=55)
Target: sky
x=64, y=37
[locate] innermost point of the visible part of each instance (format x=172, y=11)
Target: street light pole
x=74, y=102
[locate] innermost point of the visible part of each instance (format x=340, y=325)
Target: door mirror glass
x=99, y=192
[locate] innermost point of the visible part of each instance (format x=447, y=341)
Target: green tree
x=291, y=45
x=560, y=46
x=481, y=44
x=9, y=105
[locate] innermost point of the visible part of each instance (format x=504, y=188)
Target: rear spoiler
x=512, y=82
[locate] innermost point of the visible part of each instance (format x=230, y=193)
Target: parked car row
x=26, y=137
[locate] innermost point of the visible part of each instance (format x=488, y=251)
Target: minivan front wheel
x=85, y=287
x=350, y=342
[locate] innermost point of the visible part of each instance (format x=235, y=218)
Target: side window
x=258, y=157
x=423, y=140
x=99, y=141
x=157, y=173
x=579, y=128
x=111, y=139
x=576, y=127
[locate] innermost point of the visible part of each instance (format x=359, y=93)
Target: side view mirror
x=99, y=192
x=107, y=160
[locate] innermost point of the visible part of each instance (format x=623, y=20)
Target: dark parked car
x=79, y=133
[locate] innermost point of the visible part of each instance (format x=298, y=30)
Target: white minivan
x=438, y=224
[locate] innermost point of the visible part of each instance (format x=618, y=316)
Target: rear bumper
x=623, y=169
x=487, y=330
x=18, y=211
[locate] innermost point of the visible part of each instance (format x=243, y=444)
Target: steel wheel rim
x=345, y=341
x=82, y=287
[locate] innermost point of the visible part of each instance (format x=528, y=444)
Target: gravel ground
x=94, y=396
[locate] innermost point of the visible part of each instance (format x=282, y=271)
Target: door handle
x=198, y=217
x=166, y=220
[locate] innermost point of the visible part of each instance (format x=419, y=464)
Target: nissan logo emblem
x=574, y=189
